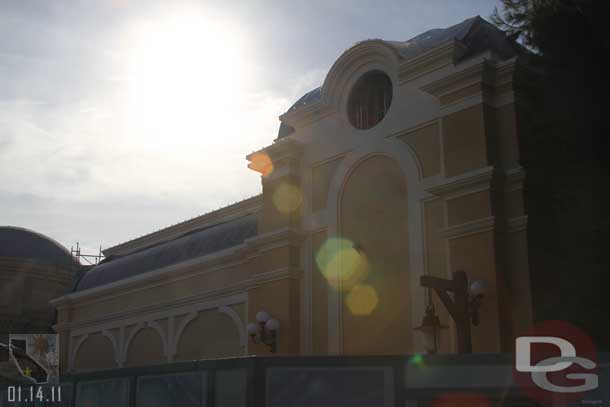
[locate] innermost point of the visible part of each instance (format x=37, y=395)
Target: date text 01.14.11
x=41, y=394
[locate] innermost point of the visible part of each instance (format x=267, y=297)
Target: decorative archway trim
x=132, y=333
x=115, y=346
x=407, y=161
x=157, y=327
x=180, y=330
x=75, y=345
x=239, y=324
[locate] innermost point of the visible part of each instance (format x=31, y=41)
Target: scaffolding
x=86, y=259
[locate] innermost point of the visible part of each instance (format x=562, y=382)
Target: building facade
x=404, y=163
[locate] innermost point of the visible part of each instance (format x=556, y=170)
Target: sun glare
x=184, y=73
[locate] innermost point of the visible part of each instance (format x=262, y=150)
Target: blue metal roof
x=311, y=96
x=192, y=245
x=475, y=33
x=26, y=244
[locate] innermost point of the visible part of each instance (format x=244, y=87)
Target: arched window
x=369, y=100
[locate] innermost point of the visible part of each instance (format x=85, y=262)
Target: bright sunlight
x=184, y=74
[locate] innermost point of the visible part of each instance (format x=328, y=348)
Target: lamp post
x=264, y=331
x=464, y=305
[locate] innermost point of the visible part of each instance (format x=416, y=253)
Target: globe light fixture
x=264, y=331
x=262, y=316
x=477, y=292
x=477, y=288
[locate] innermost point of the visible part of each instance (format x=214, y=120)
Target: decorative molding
x=277, y=238
x=171, y=346
x=239, y=324
x=413, y=129
x=474, y=189
x=475, y=73
x=161, y=311
x=164, y=337
x=516, y=224
x=115, y=346
x=365, y=55
x=224, y=296
x=170, y=338
x=186, y=319
x=471, y=179
x=514, y=178
x=493, y=80
x=327, y=160
x=122, y=341
x=306, y=297
x=407, y=161
x=504, y=72
x=132, y=333
x=75, y=345
x=283, y=273
x=284, y=155
x=438, y=57
x=469, y=228
x=461, y=104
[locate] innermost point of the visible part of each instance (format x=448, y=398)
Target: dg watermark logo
x=555, y=363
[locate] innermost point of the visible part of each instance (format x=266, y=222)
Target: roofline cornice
x=438, y=57
x=281, y=149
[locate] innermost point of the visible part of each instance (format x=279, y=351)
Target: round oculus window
x=369, y=100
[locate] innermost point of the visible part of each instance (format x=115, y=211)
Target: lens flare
x=261, y=162
x=287, y=198
x=362, y=300
x=417, y=360
x=342, y=265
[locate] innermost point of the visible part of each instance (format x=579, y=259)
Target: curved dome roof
x=27, y=244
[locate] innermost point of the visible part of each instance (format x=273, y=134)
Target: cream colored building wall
x=145, y=348
x=189, y=285
x=96, y=353
x=195, y=309
x=210, y=335
x=375, y=278
x=319, y=292
x=458, y=125
x=205, y=331
x=162, y=303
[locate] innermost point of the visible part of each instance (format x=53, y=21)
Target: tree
x=565, y=154
x=557, y=28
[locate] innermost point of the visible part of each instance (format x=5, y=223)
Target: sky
x=122, y=117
